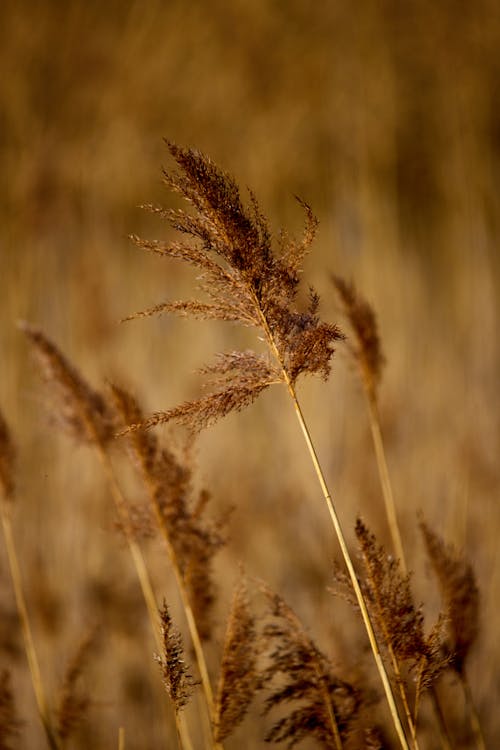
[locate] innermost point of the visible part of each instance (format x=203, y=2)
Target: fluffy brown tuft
x=244, y=280
x=460, y=594
x=298, y=671
x=367, y=349
x=82, y=411
x=239, y=678
x=177, y=680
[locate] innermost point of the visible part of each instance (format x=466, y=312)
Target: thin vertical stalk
x=474, y=717
x=141, y=569
x=352, y=573
x=385, y=480
x=443, y=730
x=392, y=520
x=341, y=539
x=29, y=644
x=189, y=614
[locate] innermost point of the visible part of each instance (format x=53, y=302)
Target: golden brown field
x=383, y=117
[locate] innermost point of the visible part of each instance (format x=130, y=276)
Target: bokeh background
x=385, y=117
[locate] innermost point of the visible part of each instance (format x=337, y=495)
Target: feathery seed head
x=244, y=280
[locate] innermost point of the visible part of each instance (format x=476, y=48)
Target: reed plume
x=400, y=624
x=299, y=673
x=79, y=410
x=244, y=280
x=460, y=593
x=177, y=679
x=191, y=539
x=239, y=676
x=366, y=350
x=194, y=539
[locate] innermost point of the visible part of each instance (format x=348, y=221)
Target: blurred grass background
x=385, y=117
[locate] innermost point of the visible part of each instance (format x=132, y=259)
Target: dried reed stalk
x=176, y=677
x=244, y=280
x=328, y=706
x=399, y=622
x=460, y=594
x=367, y=353
x=86, y=415
x=190, y=543
x=239, y=678
x=7, y=485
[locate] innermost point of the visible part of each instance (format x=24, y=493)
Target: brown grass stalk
x=368, y=356
x=86, y=414
x=246, y=281
x=460, y=594
x=7, y=454
x=145, y=451
x=348, y=561
x=327, y=706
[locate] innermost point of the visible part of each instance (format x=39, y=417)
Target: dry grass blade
x=239, y=678
x=299, y=672
x=74, y=701
x=10, y=725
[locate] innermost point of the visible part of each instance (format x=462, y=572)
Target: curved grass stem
x=352, y=573
x=391, y=701
x=385, y=480
x=29, y=644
